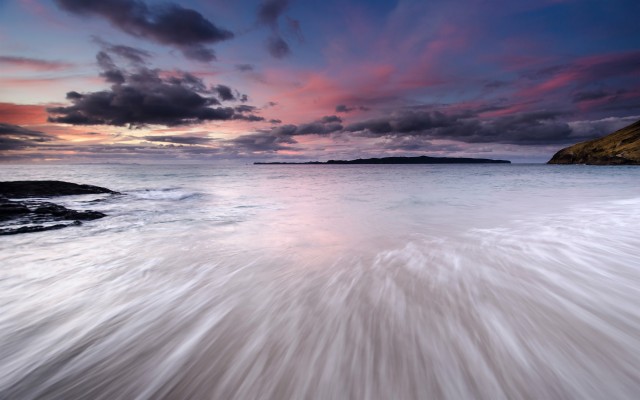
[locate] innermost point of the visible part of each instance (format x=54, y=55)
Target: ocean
x=328, y=282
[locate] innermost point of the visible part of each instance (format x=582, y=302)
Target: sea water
x=328, y=282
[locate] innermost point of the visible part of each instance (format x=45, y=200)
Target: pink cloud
x=558, y=82
x=24, y=63
x=20, y=114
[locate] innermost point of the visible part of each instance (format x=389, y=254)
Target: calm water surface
x=328, y=282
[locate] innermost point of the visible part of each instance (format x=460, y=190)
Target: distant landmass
x=397, y=160
x=621, y=147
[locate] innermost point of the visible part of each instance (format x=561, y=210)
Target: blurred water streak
x=328, y=282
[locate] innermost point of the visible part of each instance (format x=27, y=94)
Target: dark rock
x=55, y=210
x=36, y=228
x=23, y=216
x=26, y=189
x=10, y=209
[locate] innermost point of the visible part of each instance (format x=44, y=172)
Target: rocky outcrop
x=622, y=147
x=26, y=189
x=30, y=215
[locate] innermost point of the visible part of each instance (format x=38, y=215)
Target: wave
x=164, y=194
x=544, y=307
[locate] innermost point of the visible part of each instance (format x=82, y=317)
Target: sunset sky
x=219, y=80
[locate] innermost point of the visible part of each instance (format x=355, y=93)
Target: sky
x=299, y=80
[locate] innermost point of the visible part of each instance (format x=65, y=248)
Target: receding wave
x=541, y=308
x=163, y=194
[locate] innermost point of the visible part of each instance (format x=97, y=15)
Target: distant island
x=621, y=147
x=396, y=160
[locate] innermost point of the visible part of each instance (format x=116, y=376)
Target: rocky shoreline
x=25, y=206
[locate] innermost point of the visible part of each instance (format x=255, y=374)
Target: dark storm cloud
x=245, y=108
x=534, y=128
x=110, y=71
x=417, y=143
x=144, y=97
x=191, y=140
x=224, y=92
x=281, y=137
x=165, y=23
x=404, y=122
x=597, y=128
x=260, y=142
x=15, y=137
x=323, y=126
x=318, y=128
x=413, y=130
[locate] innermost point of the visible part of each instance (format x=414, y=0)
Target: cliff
x=621, y=147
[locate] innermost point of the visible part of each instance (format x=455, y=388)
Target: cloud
x=589, y=95
x=279, y=138
x=176, y=139
x=583, y=73
x=33, y=63
x=224, y=92
x=531, y=128
x=15, y=137
x=277, y=47
x=260, y=142
x=295, y=29
x=342, y=108
x=22, y=113
x=403, y=122
x=110, y=72
x=601, y=127
x=245, y=67
x=166, y=23
x=131, y=54
x=269, y=12
x=323, y=126
x=145, y=97
x=282, y=137
x=417, y=143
